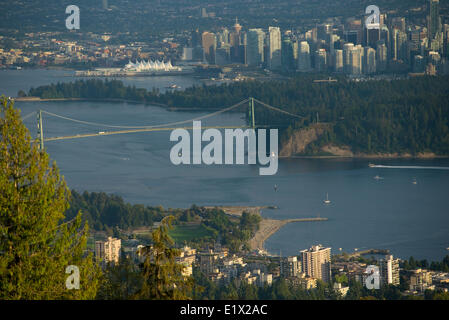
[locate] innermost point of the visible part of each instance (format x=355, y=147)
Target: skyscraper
x=369, y=61
x=355, y=61
x=434, y=19
x=320, y=60
x=274, y=59
x=381, y=56
x=338, y=61
x=237, y=51
x=209, y=42
x=389, y=271
x=316, y=262
x=347, y=47
x=288, y=62
x=254, y=47
x=304, y=56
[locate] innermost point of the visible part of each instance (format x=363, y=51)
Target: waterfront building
x=150, y=66
x=420, y=280
x=316, y=262
x=389, y=271
x=290, y=266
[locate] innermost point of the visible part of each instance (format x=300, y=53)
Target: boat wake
x=409, y=167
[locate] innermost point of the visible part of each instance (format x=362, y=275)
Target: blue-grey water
x=390, y=212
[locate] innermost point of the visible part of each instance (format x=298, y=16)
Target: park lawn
x=181, y=233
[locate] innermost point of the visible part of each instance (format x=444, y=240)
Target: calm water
x=393, y=213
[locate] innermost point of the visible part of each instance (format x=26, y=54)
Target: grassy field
x=182, y=233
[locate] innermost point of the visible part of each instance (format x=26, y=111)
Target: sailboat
x=327, y=201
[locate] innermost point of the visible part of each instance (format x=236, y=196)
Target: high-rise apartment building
x=355, y=60
x=434, y=19
x=287, y=57
x=381, y=56
x=108, y=251
x=338, y=67
x=316, y=262
x=254, y=47
x=290, y=267
x=347, y=47
x=209, y=43
x=389, y=271
x=369, y=61
x=321, y=60
x=304, y=56
x=274, y=59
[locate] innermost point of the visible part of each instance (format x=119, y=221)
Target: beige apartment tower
x=108, y=251
x=316, y=262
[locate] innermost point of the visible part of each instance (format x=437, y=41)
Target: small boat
x=414, y=181
x=275, y=187
x=173, y=86
x=378, y=177
x=327, y=201
x=371, y=165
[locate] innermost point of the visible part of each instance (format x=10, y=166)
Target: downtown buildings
x=396, y=45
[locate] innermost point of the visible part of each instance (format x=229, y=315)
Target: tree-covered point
x=105, y=212
x=397, y=116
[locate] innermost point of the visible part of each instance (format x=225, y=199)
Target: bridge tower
x=252, y=118
x=40, y=131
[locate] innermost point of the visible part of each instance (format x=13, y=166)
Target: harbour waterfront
x=389, y=213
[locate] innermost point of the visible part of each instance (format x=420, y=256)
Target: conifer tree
x=36, y=245
x=163, y=278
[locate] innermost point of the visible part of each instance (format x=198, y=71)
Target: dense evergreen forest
x=397, y=116
x=107, y=212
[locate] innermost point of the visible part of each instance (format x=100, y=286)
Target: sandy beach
x=267, y=227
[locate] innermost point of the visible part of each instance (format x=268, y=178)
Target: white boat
x=371, y=165
x=414, y=181
x=378, y=177
x=327, y=201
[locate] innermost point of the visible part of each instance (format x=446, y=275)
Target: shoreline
x=405, y=156
x=267, y=227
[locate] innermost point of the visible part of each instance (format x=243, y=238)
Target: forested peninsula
x=383, y=118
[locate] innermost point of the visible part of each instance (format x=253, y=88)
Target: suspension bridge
x=158, y=127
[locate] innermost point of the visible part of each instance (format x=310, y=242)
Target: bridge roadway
x=108, y=133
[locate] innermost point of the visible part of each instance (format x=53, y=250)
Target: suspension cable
x=148, y=127
x=28, y=115
x=279, y=110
